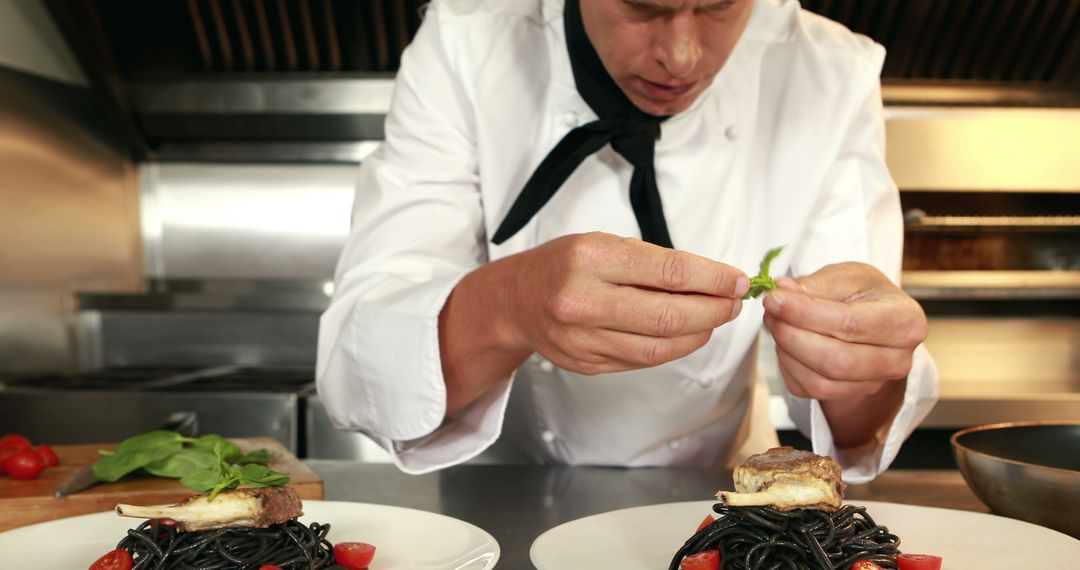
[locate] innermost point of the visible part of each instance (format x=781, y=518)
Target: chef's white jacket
x=785, y=147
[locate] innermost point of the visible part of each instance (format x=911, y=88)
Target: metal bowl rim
x=988, y=427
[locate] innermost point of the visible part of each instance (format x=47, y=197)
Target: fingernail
x=742, y=285
x=776, y=298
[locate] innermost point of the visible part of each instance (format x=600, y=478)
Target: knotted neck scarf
x=631, y=132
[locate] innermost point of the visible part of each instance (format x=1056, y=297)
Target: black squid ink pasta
x=763, y=538
x=290, y=545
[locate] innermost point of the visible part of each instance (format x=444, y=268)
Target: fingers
x=633, y=262
x=596, y=352
x=804, y=382
x=656, y=313
x=884, y=316
x=837, y=360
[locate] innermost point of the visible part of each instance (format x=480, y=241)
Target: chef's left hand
x=844, y=333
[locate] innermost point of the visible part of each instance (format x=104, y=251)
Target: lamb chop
x=787, y=479
x=252, y=508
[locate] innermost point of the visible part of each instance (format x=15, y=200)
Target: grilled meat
x=786, y=479
x=257, y=508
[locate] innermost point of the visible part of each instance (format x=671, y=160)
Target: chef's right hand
x=594, y=303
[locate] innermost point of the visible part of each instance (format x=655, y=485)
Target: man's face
x=664, y=53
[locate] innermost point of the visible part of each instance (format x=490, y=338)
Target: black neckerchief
x=631, y=132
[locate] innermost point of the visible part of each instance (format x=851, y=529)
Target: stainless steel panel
x=968, y=285
x=68, y=217
x=285, y=94
x=251, y=221
x=265, y=152
x=152, y=339
x=986, y=357
x=287, y=108
x=68, y=416
x=951, y=149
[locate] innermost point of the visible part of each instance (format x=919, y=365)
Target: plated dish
x=788, y=511
x=644, y=538
x=406, y=538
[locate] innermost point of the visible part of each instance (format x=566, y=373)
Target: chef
x=550, y=248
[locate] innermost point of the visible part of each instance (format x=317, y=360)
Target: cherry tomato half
x=24, y=465
x=354, y=555
x=865, y=565
x=918, y=562
x=14, y=441
x=707, y=560
x=47, y=453
x=708, y=520
x=270, y=567
x=118, y=559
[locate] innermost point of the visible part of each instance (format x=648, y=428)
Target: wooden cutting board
x=28, y=502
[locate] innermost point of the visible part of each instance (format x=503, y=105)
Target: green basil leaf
x=763, y=282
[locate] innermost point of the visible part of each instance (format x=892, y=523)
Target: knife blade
x=185, y=423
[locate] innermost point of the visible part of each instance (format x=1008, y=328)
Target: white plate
x=405, y=539
x=647, y=537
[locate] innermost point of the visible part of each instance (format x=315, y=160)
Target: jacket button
x=675, y=444
x=546, y=366
x=731, y=133
x=547, y=436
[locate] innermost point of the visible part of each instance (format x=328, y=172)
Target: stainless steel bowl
x=1028, y=471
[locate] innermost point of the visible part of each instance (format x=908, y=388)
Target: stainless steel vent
x=941, y=52
x=969, y=40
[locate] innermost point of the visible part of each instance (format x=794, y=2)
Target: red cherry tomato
x=6, y=452
x=918, y=562
x=708, y=520
x=14, y=441
x=865, y=565
x=24, y=465
x=47, y=453
x=354, y=555
x=118, y=559
x=707, y=560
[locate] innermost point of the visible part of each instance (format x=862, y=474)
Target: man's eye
x=717, y=7
x=642, y=9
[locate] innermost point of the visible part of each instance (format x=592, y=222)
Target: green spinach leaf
x=209, y=463
x=137, y=452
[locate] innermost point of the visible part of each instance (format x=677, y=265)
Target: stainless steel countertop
x=517, y=503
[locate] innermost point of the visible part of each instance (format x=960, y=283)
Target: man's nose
x=679, y=48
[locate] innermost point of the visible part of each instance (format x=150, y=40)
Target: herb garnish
x=762, y=282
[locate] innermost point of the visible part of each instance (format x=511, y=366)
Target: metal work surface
x=517, y=503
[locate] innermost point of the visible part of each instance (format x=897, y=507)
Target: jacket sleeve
x=858, y=218
x=417, y=229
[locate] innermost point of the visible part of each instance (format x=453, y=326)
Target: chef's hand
x=590, y=303
x=595, y=302
x=845, y=335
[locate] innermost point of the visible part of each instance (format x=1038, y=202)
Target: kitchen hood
x=215, y=79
